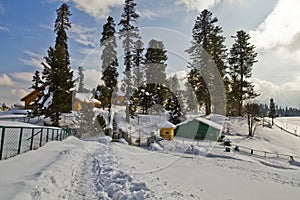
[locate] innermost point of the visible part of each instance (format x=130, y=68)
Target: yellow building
x=167, y=130
x=86, y=98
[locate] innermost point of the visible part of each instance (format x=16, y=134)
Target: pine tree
x=155, y=62
x=173, y=84
x=36, y=85
x=199, y=85
x=80, y=79
x=241, y=60
x=57, y=72
x=109, y=58
x=191, y=100
x=174, y=108
x=102, y=94
x=138, y=59
x=272, y=112
x=129, y=33
x=207, y=44
x=36, y=80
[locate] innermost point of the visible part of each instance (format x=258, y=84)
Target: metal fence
x=17, y=140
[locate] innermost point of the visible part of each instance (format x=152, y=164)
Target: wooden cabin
x=87, y=98
x=31, y=97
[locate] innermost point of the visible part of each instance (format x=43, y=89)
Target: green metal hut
x=198, y=129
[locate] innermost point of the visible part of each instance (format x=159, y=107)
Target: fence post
x=32, y=135
x=20, y=140
x=41, y=137
x=47, y=137
x=2, y=142
x=60, y=137
x=52, y=134
x=56, y=138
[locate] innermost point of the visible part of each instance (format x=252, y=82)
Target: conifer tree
x=155, y=62
x=57, y=72
x=36, y=80
x=241, y=60
x=191, y=100
x=109, y=58
x=36, y=85
x=173, y=84
x=81, y=88
x=174, y=108
x=272, y=112
x=138, y=59
x=207, y=41
x=102, y=94
x=129, y=33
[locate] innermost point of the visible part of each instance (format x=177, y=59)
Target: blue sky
x=26, y=32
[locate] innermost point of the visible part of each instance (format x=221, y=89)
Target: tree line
x=145, y=84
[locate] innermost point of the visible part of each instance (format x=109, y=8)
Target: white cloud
x=2, y=9
x=34, y=59
x=26, y=76
x=146, y=13
x=3, y=28
x=280, y=28
x=19, y=93
x=5, y=80
x=98, y=9
x=91, y=78
x=84, y=35
x=285, y=94
x=200, y=4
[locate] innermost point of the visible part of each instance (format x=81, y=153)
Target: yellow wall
x=167, y=133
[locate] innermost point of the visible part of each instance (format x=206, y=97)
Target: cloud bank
x=201, y=4
x=5, y=80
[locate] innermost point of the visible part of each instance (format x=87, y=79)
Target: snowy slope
x=75, y=169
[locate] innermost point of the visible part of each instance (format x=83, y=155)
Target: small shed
x=167, y=130
x=198, y=129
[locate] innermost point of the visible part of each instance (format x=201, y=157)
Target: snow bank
x=105, y=139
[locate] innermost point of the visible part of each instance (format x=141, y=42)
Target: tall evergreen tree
x=173, y=84
x=155, y=62
x=206, y=36
x=174, y=108
x=36, y=85
x=109, y=58
x=241, y=60
x=57, y=72
x=36, y=80
x=138, y=59
x=272, y=112
x=129, y=33
x=102, y=94
x=81, y=80
x=191, y=100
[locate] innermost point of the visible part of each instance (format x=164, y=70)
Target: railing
x=264, y=154
x=16, y=140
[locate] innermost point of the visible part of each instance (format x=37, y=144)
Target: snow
x=101, y=169
x=84, y=97
x=205, y=121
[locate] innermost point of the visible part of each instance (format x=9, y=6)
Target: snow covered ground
x=76, y=169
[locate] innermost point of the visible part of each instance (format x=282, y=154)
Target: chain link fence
x=17, y=140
